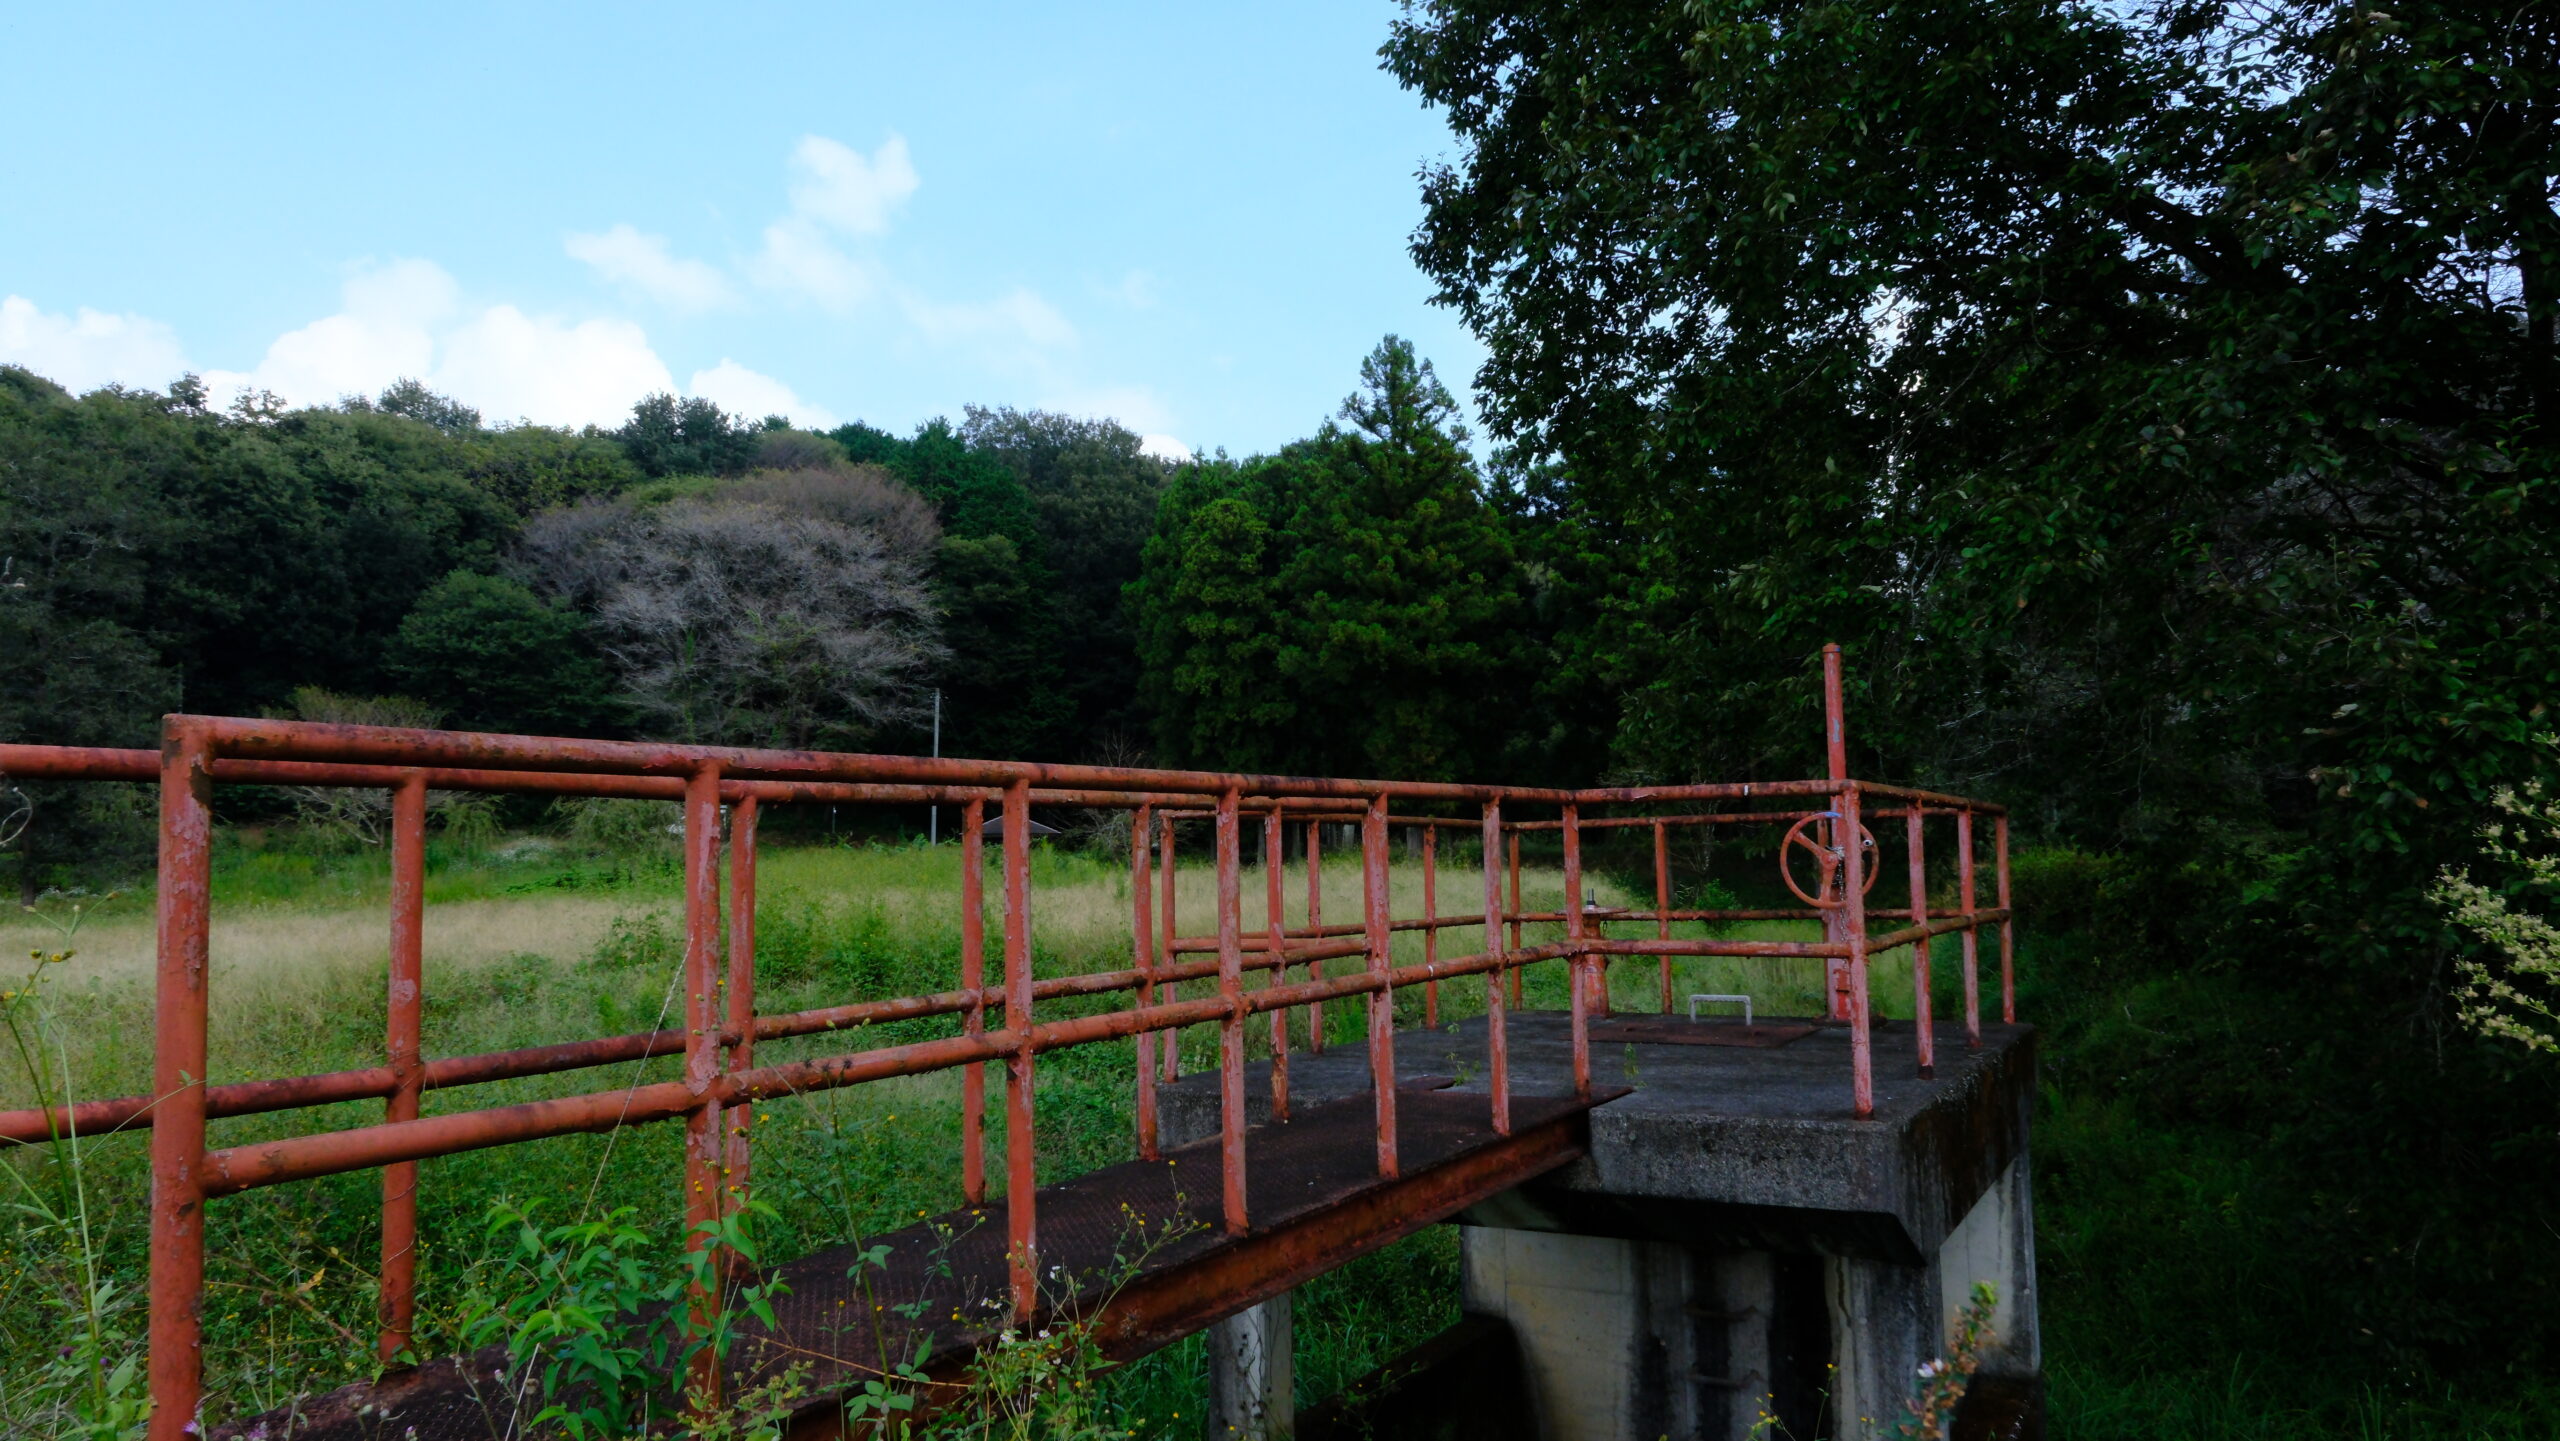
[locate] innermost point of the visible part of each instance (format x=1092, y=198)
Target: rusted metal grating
x=1123, y=1239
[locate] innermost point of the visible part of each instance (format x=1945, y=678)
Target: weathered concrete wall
x=1737, y=1243
x=1253, y=1375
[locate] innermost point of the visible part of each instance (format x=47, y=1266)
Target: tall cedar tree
x=1347, y=606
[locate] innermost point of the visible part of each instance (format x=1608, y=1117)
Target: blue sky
x=1192, y=218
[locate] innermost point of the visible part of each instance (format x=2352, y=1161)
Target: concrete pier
x=1737, y=1244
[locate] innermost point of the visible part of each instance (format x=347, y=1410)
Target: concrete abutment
x=1735, y=1245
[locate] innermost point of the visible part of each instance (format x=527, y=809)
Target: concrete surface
x=1737, y=1244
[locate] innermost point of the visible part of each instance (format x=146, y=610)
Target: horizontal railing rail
x=999, y=1019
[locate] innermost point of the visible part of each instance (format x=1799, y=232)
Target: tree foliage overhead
x=2094, y=362
x=2159, y=400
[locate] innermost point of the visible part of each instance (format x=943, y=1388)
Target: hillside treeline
x=1356, y=602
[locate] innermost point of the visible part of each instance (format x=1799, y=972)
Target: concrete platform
x=1754, y=1146
x=1736, y=1241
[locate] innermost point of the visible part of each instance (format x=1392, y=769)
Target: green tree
x=689, y=436
x=1347, y=606
x=2157, y=397
x=1004, y=682
x=1094, y=494
x=489, y=654
x=1208, y=623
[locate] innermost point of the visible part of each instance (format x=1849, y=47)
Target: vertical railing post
x=1231, y=1027
x=1515, y=916
x=397, y=1307
x=1142, y=949
x=176, y=1364
x=1172, y=989
x=1972, y=945
x=738, y=1122
x=1376, y=917
x=1497, y=1039
x=1923, y=1008
x=973, y=979
x=2008, y=925
x=1022, y=1250
x=1431, y=925
x=1662, y=902
x=1577, y=985
x=1835, y=749
x=702, y=1148
x=1275, y=931
x=1315, y=923
x=1853, y=929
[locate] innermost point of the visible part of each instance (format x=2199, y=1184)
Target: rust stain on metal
x=1392, y=1162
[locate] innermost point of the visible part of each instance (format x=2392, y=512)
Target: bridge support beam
x=1252, y=1378
x=1650, y=1333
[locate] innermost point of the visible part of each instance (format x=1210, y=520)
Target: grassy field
x=536, y=939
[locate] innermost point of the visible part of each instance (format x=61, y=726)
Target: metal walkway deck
x=1137, y=1246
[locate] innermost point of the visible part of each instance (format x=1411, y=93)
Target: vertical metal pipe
x=176, y=1365
x=1576, y=985
x=1275, y=933
x=1142, y=949
x=1315, y=922
x=2008, y=927
x=973, y=979
x=1172, y=990
x=1377, y=916
x=1972, y=946
x=740, y=1118
x=1922, y=1010
x=1431, y=931
x=397, y=1308
x=702, y=1149
x=1662, y=902
x=1231, y=1028
x=1021, y=1237
x=1835, y=750
x=1497, y=1040
x=1515, y=915
x=1853, y=915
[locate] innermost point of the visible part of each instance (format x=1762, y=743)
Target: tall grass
x=2148, y=1239
x=539, y=940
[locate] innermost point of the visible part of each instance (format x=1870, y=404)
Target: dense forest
x=2157, y=400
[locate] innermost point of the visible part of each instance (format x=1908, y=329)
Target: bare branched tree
x=865, y=497
x=793, y=611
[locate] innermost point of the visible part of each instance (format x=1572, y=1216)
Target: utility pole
x=933, y=823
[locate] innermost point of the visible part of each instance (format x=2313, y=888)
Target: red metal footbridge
x=1247, y=1213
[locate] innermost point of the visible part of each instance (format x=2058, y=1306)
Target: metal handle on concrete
x=1703, y=996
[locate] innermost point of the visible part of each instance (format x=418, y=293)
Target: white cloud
x=835, y=190
x=1135, y=406
x=741, y=391
x=512, y=365
x=1018, y=318
x=88, y=348
x=798, y=258
x=384, y=330
x=626, y=257
x=834, y=183
x=1164, y=447
x=408, y=318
